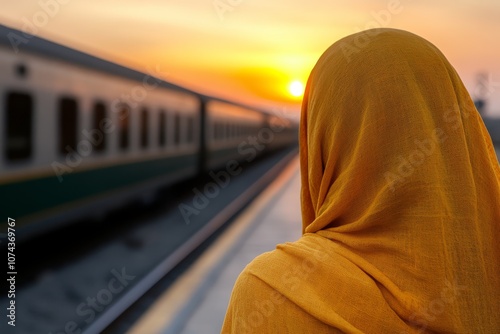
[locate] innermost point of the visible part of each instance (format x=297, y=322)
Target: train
x=82, y=135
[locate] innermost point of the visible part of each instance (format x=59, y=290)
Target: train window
x=144, y=128
x=190, y=130
x=19, y=117
x=217, y=131
x=123, y=126
x=68, y=119
x=161, y=131
x=99, y=116
x=177, y=129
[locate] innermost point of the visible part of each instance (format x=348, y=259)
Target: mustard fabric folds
x=400, y=203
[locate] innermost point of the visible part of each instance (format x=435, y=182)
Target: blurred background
x=252, y=51
x=135, y=132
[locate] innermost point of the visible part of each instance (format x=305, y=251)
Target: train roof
x=22, y=42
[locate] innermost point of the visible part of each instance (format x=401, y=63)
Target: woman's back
x=400, y=202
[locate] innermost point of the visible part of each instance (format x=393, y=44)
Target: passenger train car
x=81, y=134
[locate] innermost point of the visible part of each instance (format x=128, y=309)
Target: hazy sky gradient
x=254, y=49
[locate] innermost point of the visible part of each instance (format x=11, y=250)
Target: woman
x=400, y=203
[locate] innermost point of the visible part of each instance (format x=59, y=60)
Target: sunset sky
x=251, y=51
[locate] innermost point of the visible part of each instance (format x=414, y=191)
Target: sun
x=296, y=88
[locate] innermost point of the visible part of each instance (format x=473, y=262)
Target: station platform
x=197, y=301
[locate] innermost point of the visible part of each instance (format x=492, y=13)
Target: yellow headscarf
x=400, y=203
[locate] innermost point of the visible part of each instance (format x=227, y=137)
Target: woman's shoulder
x=256, y=307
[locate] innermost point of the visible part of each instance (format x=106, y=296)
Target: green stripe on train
x=31, y=196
